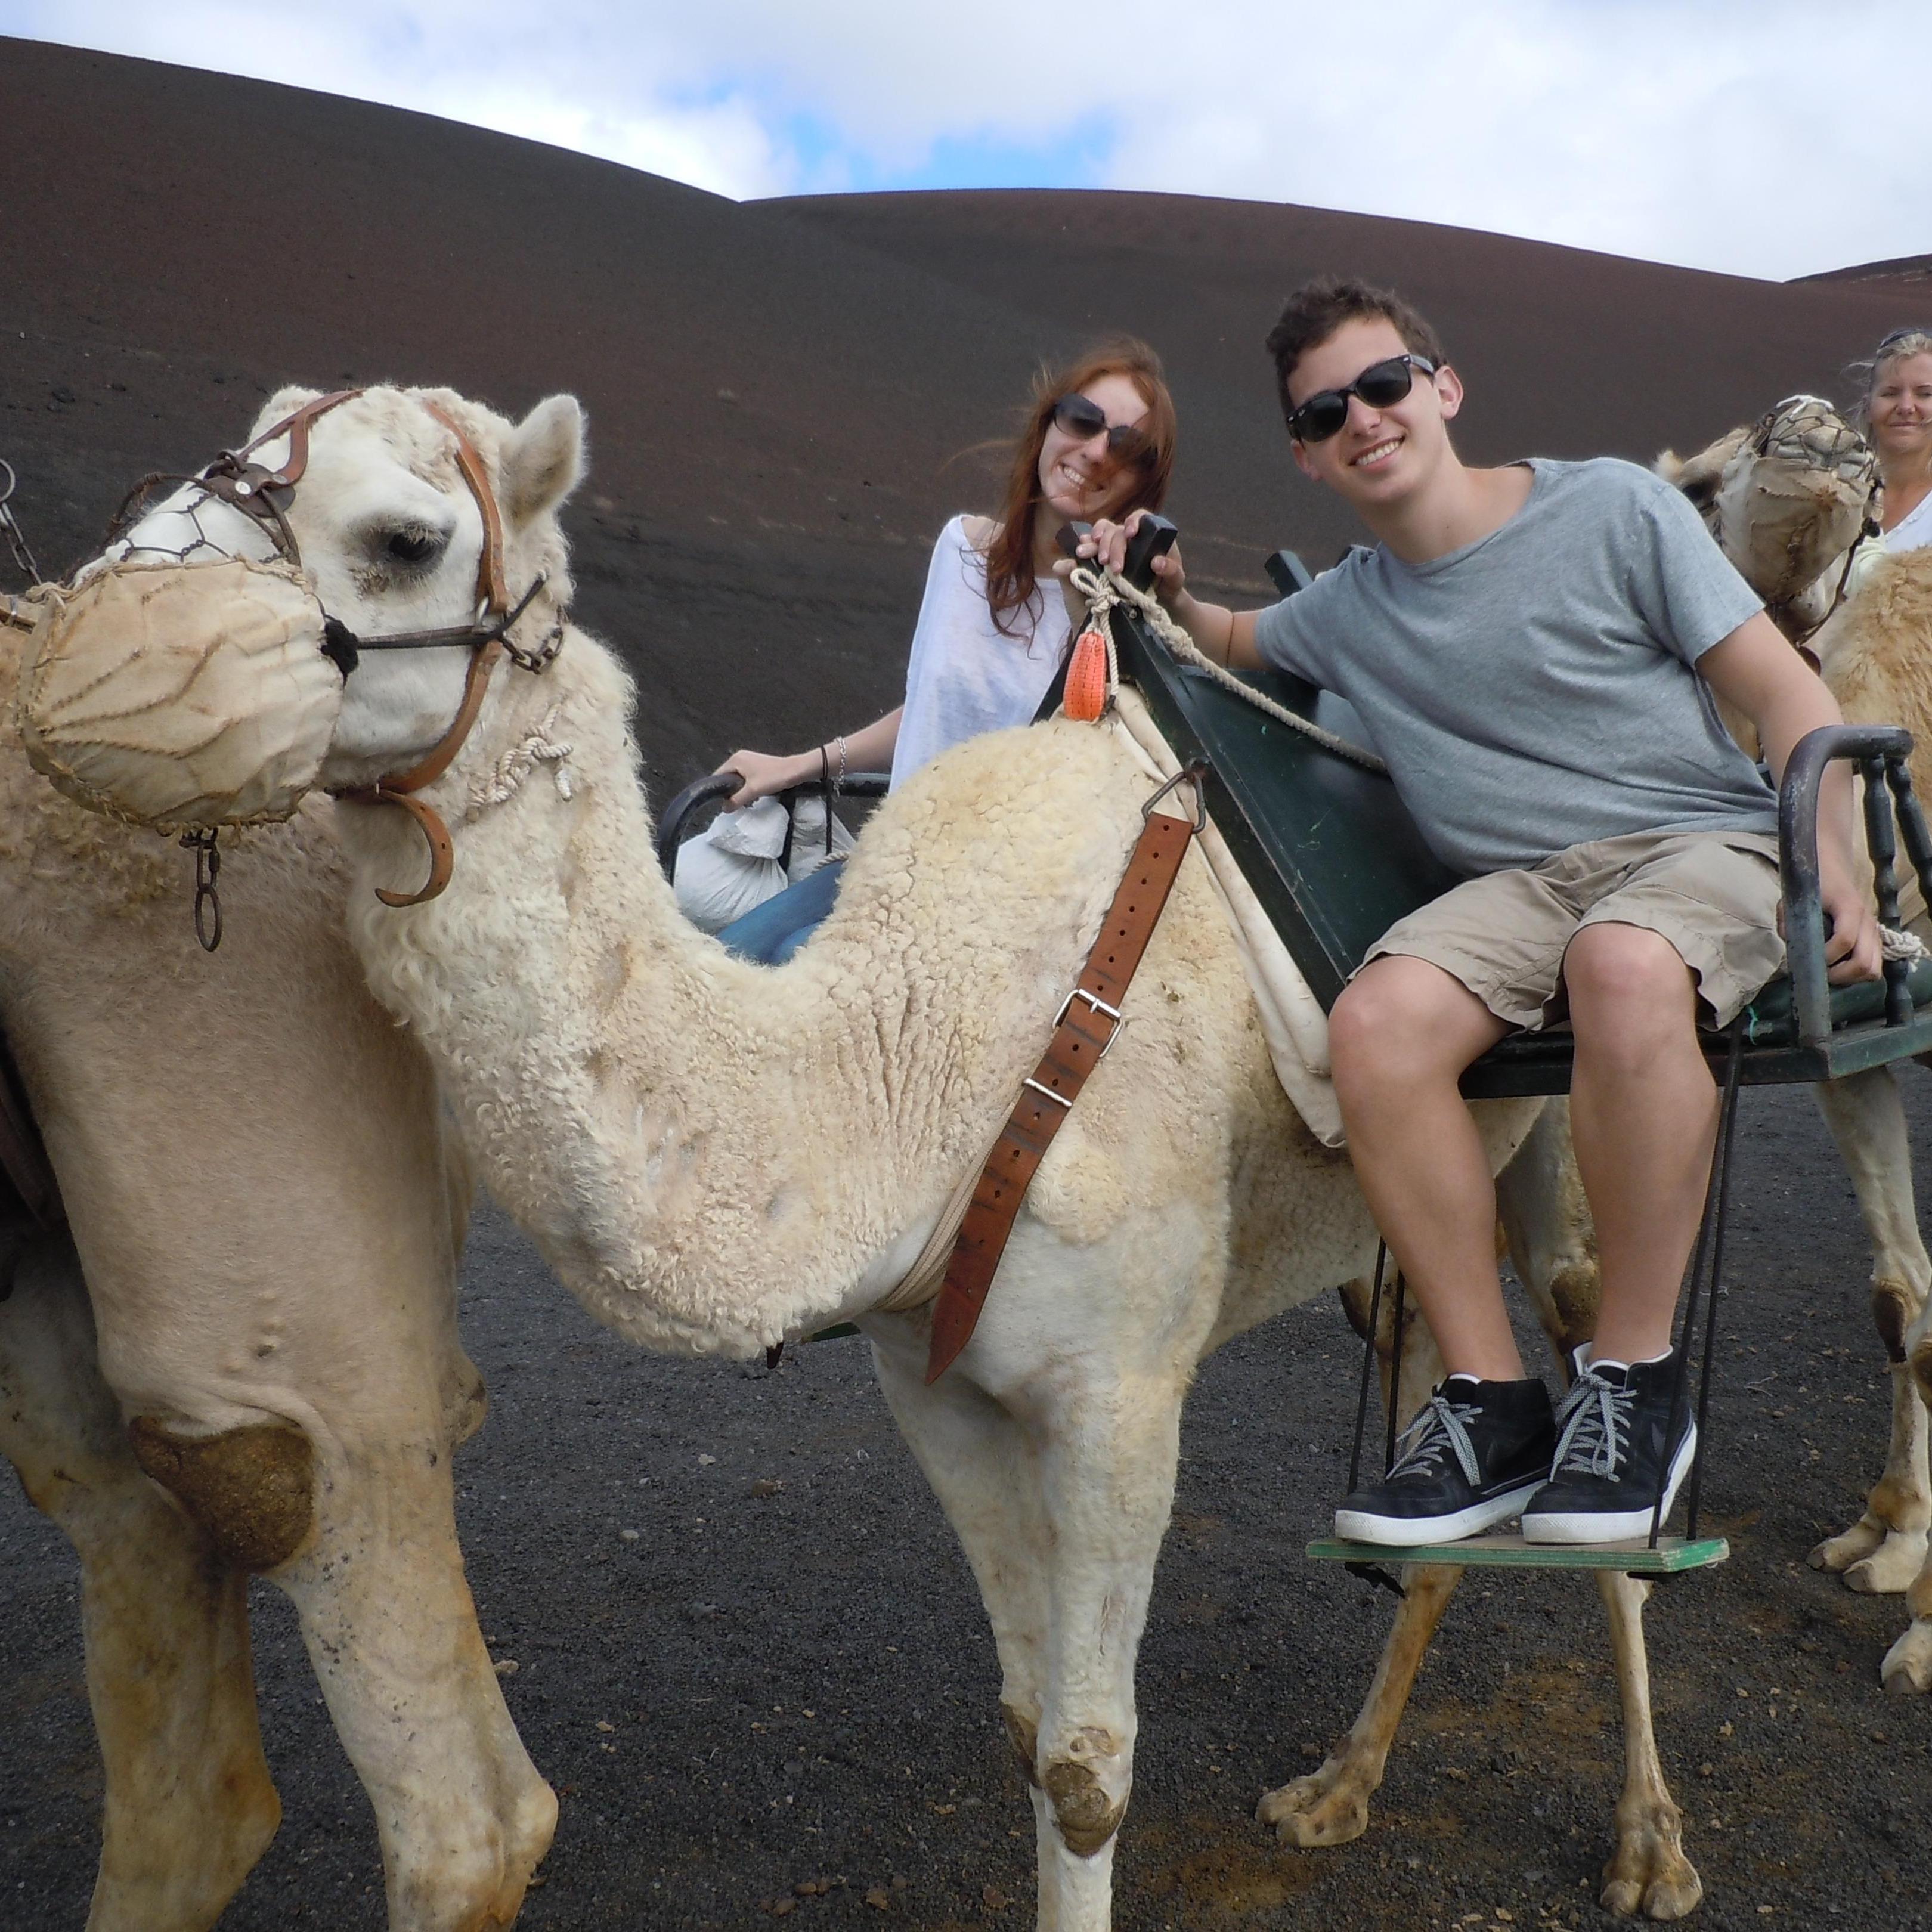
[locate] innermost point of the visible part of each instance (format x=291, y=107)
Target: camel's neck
x=711, y=1154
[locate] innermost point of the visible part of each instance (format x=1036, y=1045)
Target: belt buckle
x=1099, y=1006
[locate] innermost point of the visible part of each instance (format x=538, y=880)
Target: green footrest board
x=1636, y=1557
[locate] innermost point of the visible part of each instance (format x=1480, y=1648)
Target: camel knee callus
x=252, y=1490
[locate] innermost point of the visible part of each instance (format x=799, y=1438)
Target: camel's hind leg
x=1330, y=1806
x=1884, y=1550
x=986, y=1477
x=189, y=1804
x=1544, y=1214
x=1648, y=1871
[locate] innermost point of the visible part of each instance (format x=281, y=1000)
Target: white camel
x=267, y=1209
x=1787, y=500
x=632, y=1094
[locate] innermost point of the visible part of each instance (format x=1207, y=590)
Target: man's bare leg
x=1399, y=1037
x=1643, y=1114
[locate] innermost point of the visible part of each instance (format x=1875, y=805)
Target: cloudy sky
x=1762, y=137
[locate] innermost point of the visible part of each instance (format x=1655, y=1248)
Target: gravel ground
x=784, y=1678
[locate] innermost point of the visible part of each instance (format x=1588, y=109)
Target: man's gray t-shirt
x=1533, y=690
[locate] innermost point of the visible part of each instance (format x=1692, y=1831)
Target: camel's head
x=253, y=645
x=1785, y=500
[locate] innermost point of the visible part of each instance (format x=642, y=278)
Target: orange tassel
x=1087, y=678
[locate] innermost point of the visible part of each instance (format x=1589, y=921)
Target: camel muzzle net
x=182, y=694
x=1810, y=478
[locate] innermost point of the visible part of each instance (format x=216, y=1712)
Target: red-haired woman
x=994, y=626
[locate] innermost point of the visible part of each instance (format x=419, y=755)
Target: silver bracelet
x=838, y=783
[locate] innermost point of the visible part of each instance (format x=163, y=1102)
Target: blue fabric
x=773, y=932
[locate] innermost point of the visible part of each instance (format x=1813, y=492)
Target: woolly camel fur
x=631, y=1092
x=244, y=1359
x=1786, y=509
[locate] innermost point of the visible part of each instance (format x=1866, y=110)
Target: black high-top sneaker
x=1611, y=1457
x=1474, y=1454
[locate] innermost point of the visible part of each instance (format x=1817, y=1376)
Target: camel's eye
x=412, y=546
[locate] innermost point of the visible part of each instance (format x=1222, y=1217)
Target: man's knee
x=1630, y=972
x=1402, y=1015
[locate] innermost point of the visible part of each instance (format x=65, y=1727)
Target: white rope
x=1903, y=945
x=501, y=782
x=1104, y=589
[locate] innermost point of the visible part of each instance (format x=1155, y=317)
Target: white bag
x=736, y=863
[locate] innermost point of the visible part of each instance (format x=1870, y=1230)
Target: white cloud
x=1748, y=135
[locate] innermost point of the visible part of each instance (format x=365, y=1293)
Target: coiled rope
x=1104, y=589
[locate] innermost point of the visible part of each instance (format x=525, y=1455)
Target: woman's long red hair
x=1011, y=582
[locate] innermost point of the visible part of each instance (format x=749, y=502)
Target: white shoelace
x=1440, y=1424
x=1594, y=1422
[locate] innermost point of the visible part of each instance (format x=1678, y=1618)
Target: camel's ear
x=284, y=402
x=1698, y=476
x=543, y=461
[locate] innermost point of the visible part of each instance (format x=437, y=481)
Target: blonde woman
x=1898, y=413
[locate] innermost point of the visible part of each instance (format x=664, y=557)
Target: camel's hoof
x=1838, y=1554
x=1665, y=1884
x=1890, y=1568
x=1907, y=1671
x=1321, y=1809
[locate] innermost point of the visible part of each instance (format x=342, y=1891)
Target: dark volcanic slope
x=1566, y=353
x=776, y=391
x=800, y=1681
x=1900, y=268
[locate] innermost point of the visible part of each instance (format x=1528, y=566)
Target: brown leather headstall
x=1089, y=1022
x=264, y=495
x=488, y=639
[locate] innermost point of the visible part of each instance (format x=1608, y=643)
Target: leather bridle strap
x=397, y=790
x=490, y=585
x=1089, y=1022
x=295, y=428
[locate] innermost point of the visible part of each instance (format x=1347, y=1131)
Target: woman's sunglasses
x=1379, y=386
x=1084, y=419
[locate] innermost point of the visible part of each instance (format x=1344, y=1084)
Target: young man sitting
x=1532, y=649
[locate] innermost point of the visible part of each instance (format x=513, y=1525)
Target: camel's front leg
x=1108, y=1453
x=1648, y=1871
x=463, y=1817
x=986, y=1475
x=1884, y=1550
x=1330, y=1806
x=189, y=1805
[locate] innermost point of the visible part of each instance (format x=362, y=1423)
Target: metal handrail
x=714, y=785
x=1880, y=752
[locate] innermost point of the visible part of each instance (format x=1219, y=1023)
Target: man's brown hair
x=1318, y=308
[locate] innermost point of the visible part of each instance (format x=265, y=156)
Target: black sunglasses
x=1084, y=419
x=1900, y=335
x=1379, y=386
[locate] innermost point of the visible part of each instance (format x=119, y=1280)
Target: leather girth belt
x=1088, y=1022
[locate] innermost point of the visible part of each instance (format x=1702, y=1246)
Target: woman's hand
x=763, y=774
x=1108, y=543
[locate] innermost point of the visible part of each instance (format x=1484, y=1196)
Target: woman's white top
x=966, y=676
x=1912, y=532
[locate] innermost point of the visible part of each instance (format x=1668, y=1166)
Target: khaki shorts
x=1714, y=895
